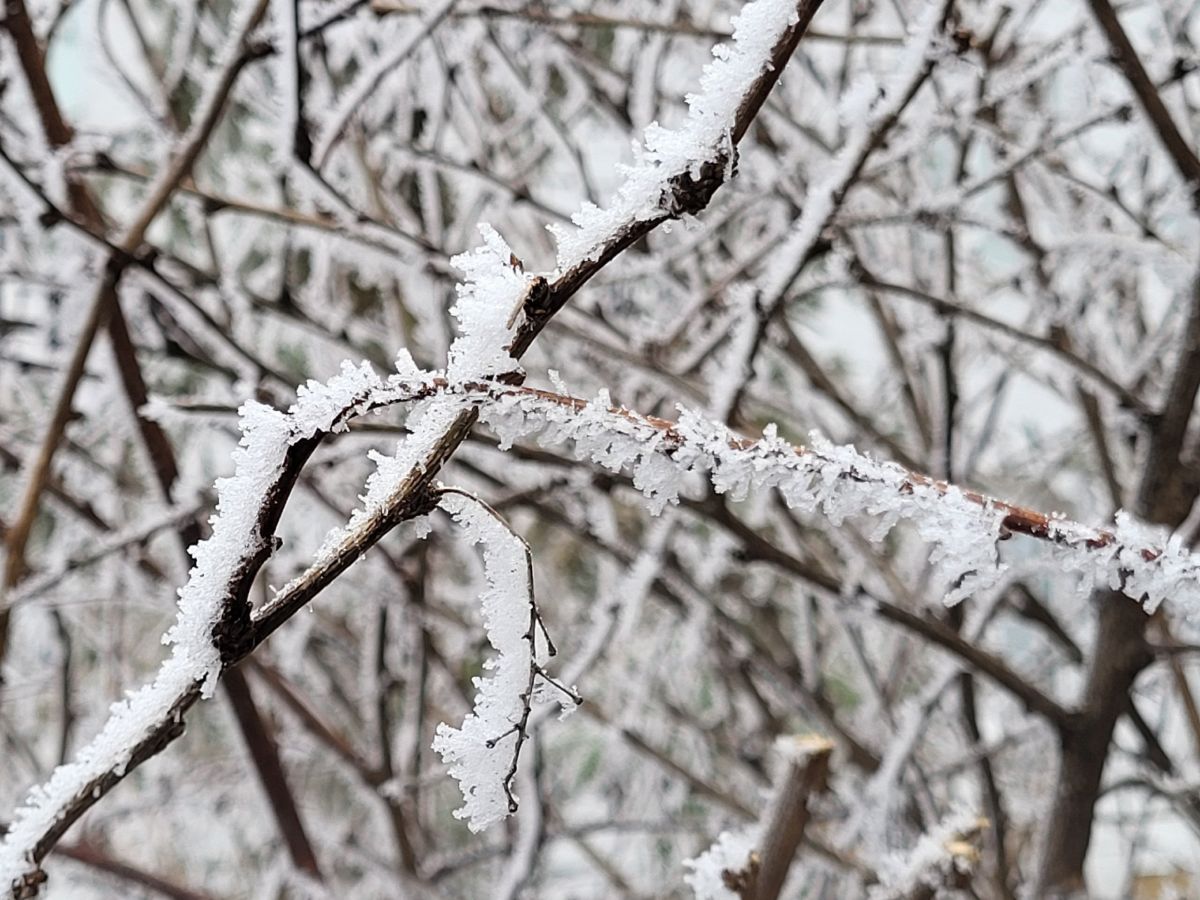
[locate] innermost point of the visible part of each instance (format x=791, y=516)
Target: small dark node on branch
x=302, y=144
x=115, y=263
x=28, y=885
x=512, y=379
x=233, y=635
x=1149, y=419
x=147, y=256
x=964, y=40
x=604, y=482
x=537, y=297
x=491, y=743
x=930, y=218
x=1182, y=68
x=744, y=880
x=958, y=582
x=285, y=298
x=823, y=245
x=535, y=302
x=50, y=217
x=855, y=268
x=689, y=194
x=258, y=49
x=422, y=503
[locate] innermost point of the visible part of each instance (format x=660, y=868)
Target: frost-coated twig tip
x=506, y=696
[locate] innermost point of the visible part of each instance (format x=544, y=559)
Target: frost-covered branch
x=103, y=305
x=942, y=860
x=677, y=172
x=1126, y=57
x=215, y=626
x=981, y=264
x=753, y=864
x=480, y=755
x=964, y=526
x=807, y=770
x=873, y=111
x=727, y=869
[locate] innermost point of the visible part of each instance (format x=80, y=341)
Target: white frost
x=491, y=289
x=873, y=110
x=836, y=481
x=283, y=17
x=195, y=660
x=665, y=153
x=730, y=852
x=938, y=853
x=839, y=482
x=480, y=754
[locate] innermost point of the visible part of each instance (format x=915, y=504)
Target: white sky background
x=91, y=95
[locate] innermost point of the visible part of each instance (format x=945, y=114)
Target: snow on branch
x=754, y=863
x=962, y=526
x=483, y=753
x=215, y=626
x=942, y=859
x=712, y=875
x=214, y=613
x=493, y=285
x=704, y=149
x=870, y=111
x=678, y=173
x=735, y=865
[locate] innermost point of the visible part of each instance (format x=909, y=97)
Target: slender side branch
x=1146, y=91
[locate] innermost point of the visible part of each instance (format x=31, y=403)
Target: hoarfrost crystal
x=481, y=752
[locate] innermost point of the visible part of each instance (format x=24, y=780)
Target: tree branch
x=239, y=632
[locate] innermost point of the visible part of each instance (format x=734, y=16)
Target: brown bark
x=1164, y=496
x=265, y=753
x=105, y=311
x=807, y=775
x=1120, y=654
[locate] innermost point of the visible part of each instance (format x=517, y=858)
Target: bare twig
x=806, y=776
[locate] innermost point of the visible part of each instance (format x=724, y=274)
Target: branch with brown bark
x=238, y=631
